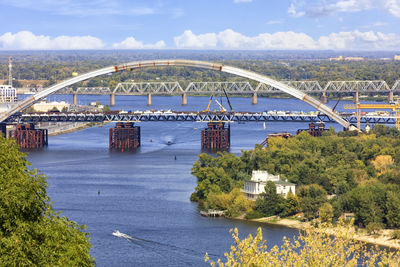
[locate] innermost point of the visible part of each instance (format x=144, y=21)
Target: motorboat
x=118, y=233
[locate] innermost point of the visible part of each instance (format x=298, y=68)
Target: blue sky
x=200, y=24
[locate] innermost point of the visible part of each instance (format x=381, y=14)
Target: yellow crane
x=395, y=107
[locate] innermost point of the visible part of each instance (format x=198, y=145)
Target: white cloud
x=346, y=40
x=322, y=7
x=293, y=9
x=26, y=40
x=360, y=40
x=132, y=43
x=190, y=40
x=243, y=1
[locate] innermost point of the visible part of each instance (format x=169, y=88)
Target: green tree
x=269, y=202
x=326, y=212
x=311, y=199
x=290, y=205
x=392, y=204
x=31, y=232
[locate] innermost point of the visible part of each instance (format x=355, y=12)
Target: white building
x=8, y=94
x=253, y=188
x=44, y=106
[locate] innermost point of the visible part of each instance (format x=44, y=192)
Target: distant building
x=396, y=57
x=353, y=58
x=8, y=94
x=339, y=58
x=44, y=106
x=253, y=188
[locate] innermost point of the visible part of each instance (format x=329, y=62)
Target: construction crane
x=395, y=107
x=227, y=98
x=220, y=106
x=209, y=104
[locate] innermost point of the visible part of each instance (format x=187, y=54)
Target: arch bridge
x=184, y=63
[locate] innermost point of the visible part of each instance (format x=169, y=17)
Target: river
x=145, y=194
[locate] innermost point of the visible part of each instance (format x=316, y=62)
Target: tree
x=311, y=199
x=326, y=213
x=392, y=209
x=269, y=201
x=31, y=232
x=313, y=247
x=290, y=205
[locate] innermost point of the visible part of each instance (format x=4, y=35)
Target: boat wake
x=162, y=249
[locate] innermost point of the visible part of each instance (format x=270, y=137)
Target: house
x=253, y=188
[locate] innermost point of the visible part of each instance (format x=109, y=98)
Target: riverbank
x=383, y=239
x=64, y=128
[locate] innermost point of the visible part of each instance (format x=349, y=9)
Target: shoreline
x=74, y=129
x=383, y=239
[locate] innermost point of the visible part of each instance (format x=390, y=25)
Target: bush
x=373, y=228
x=395, y=234
x=253, y=214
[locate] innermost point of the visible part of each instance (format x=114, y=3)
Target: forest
x=54, y=66
x=337, y=173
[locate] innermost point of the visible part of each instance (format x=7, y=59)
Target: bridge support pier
x=323, y=98
x=216, y=137
x=148, y=99
x=391, y=96
x=184, y=99
x=254, y=99
x=26, y=136
x=125, y=136
x=112, y=100
x=356, y=97
x=75, y=99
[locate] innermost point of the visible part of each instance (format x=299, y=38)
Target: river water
x=145, y=194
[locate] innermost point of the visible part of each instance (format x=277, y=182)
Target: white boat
x=117, y=233
x=264, y=126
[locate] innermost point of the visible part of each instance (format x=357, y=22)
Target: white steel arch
x=179, y=62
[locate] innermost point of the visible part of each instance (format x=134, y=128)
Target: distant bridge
x=239, y=87
x=191, y=116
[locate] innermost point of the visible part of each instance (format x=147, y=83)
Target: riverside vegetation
x=31, y=232
x=337, y=173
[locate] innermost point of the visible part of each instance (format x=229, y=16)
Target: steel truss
x=240, y=117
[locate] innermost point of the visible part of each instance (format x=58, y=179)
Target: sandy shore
x=74, y=129
x=383, y=239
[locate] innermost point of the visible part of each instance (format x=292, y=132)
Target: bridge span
x=192, y=116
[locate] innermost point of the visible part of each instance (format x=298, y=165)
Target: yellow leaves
x=382, y=163
x=314, y=247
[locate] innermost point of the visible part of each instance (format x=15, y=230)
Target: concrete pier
x=112, y=100
x=184, y=99
x=148, y=99
x=254, y=99
x=391, y=96
x=323, y=98
x=75, y=99
x=356, y=97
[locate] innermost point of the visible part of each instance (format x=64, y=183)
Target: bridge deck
x=188, y=116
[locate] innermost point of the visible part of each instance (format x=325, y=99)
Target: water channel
x=145, y=194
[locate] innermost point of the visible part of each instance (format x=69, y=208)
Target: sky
x=200, y=24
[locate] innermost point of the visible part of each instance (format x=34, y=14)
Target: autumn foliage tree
x=314, y=247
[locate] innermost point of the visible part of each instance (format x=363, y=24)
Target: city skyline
x=207, y=24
